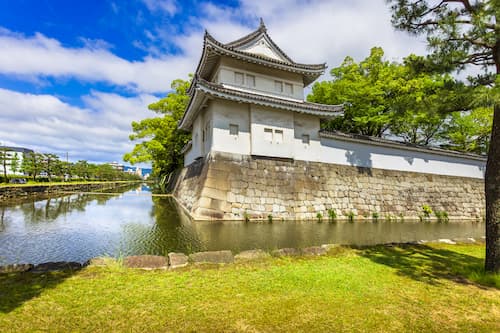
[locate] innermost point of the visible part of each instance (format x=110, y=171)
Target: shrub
x=350, y=216
x=427, y=211
x=442, y=216
x=270, y=218
x=375, y=216
x=319, y=216
x=246, y=216
x=332, y=214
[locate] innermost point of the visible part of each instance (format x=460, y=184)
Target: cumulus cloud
x=41, y=56
x=97, y=132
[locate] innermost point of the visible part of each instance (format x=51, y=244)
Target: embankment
x=21, y=191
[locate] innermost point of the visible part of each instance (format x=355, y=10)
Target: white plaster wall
x=371, y=156
x=306, y=124
x=264, y=79
x=225, y=113
x=262, y=118
x=200, y=147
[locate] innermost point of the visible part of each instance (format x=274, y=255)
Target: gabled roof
x=247, y=49
x=259, y=35
x=204, y=89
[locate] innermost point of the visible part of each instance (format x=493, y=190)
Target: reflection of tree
x=169, y=232
x=2, y=218
x=40, y=210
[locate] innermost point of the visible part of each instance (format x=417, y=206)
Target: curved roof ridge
x=210, y=38
x=261, y=31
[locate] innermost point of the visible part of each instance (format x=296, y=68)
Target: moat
x=80, y=226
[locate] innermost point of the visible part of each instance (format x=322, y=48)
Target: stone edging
x=176, y=260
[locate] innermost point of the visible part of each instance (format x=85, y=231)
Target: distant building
x=10, y=152
x=117, y=166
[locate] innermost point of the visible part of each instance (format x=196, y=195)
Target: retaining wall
x=13, y=192
x=230, y=186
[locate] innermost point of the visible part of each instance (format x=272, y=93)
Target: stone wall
x=13, y=192
x=229, y=186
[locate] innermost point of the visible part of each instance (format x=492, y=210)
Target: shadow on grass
x=17, y=288
x=430, y=265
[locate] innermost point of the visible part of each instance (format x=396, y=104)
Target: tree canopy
x=160, y=141
x=400, y=99
x=461, y=33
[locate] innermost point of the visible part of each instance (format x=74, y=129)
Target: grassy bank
x=378, y=289
x=34, y=183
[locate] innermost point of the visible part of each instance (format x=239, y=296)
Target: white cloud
x=97, y=132
x=167, y=6
x=41, y=56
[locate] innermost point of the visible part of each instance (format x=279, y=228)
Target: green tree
x=52, y=165
x=469, y=131
x=3, y=161
x=81, y=169
x=384, y=97
x=160, y=141
x=32, y=164
x=461, y=33
x=14, y=163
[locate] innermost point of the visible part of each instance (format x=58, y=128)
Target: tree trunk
x=492, y=192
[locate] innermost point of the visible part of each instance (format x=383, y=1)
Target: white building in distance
x=8, y=154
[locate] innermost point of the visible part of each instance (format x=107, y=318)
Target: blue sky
x=74, y=74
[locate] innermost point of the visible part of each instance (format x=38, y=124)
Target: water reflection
x=81, y=226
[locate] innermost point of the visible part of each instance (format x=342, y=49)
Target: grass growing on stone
x=376, y=289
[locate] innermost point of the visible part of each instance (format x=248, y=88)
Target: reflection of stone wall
x=226, y=186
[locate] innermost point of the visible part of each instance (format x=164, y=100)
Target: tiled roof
x=213, y=50
x=220, y=91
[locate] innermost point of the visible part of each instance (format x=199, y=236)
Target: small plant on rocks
x=332, y=214
x=427, y=211
x=350, y=216
x=375, y=216
x=270, y=218
x=319, y=216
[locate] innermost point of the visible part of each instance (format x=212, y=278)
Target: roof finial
x=262, y=26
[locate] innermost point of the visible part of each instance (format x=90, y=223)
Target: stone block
x=146, y=262
x=212, y=257
x=251, y=255
x=15, y=268
x=57, y=266
x=177, y=260
x=314, y=251
x=100, y=261
x=329, y=247
x=286, y=252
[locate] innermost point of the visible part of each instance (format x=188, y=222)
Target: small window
x=278, y=86
x=305, y=139
x=278, y=136
x=238, y=78
x=288, y=89
x=233, y=129
x=250, y=80
x=268, y=135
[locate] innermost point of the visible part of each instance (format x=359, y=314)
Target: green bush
x=375, y=216
x=319, y=216
x=332, y=215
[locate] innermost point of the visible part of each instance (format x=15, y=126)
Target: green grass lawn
x=438, y=288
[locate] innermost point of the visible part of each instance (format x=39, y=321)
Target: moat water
x=80, y=226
